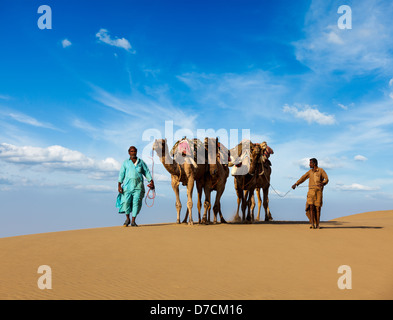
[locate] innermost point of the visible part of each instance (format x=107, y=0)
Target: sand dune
x=279, y=260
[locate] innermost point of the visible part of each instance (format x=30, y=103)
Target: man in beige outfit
x=317, y=180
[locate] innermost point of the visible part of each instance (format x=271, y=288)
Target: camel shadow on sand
x=323, y=225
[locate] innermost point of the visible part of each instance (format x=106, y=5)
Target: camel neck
x=169, y=164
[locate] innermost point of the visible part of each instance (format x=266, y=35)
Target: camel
x=246, y=184
x=186, y=173
x=263, y=182
x=215, y=178
x=240, y=157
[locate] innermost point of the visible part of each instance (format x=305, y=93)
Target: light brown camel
x=246, y=184
x=186, y=173
x=215, y=178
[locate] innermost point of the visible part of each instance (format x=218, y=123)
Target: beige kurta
x=317, y=177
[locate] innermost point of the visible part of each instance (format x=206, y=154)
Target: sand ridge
x=276, y=260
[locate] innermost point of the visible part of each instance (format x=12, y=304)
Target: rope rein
x=283, y=196
x=148, y=196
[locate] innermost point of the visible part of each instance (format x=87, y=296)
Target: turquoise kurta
x=131, y=176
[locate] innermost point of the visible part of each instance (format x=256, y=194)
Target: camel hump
x=188, y=148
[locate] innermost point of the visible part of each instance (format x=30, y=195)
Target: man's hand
x=294, y=186
x=120, y=189
x=151, y=185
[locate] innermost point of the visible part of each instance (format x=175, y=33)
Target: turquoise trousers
x=130, y=201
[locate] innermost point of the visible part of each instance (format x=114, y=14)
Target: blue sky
x=110, y=74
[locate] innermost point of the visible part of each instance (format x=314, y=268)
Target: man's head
x=313, y=163
x=132, y=151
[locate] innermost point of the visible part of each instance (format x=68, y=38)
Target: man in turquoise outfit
x=130, y=186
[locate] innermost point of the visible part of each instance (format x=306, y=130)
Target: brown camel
x=186, y=173
x=263, y=182
x=215, y=178
x=246, y=184
x=240, y=157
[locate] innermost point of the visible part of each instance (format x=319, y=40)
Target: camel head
x=256, y=153
x=160, y=146
x=212, y=155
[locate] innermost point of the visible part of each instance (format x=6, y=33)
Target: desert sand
x=276, y=260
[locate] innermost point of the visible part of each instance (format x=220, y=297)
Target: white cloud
x=355, y=187
x=333, y=37
x=310, y=114
x=66, y=43
x=360, y=158
x=391, y=83
x=55, y=157
x=103, y=36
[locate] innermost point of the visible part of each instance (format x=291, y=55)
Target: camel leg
x=239, y=198
x=268, y=215
x=185, y=217
x=252, y=206
x=239, y=201
x=249, y=205
x=244, y=205
x=217, y=206
x=199, y=205
x=190, y=188
x=259, y=203
x=175, y=187
x=207, y=206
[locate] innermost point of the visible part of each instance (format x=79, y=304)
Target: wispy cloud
x=365, y=47
x=26, y=119
x=310, y=114
x=246, y=95
x=355, y=187
x=94, y=188
x=4, y=97
x=148, y=111
x=345, y=107
x=103, y=36
x=23, y=118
